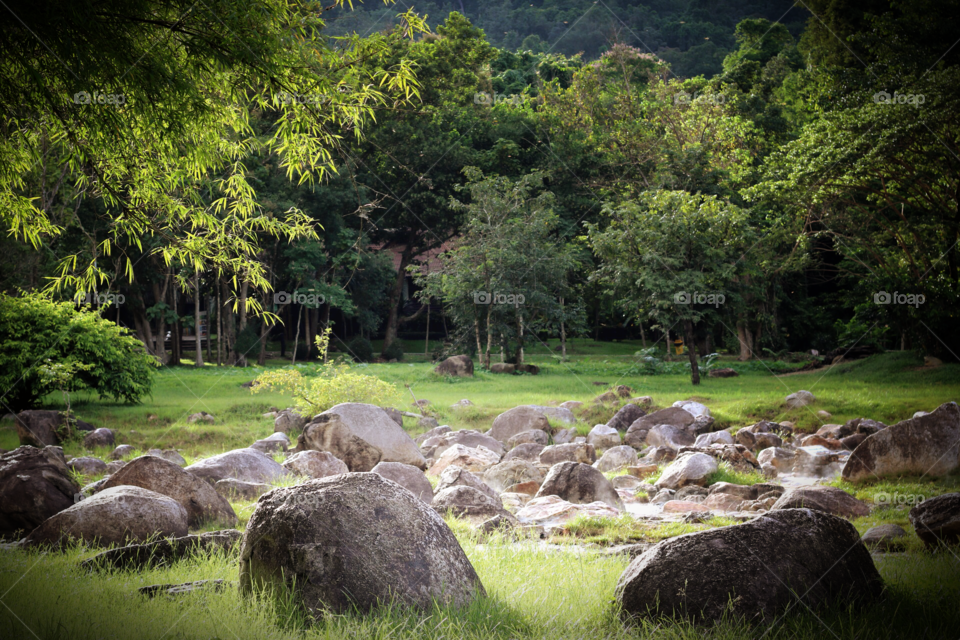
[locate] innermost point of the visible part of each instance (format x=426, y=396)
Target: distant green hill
x=693, y=35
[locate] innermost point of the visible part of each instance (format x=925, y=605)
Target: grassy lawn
x=536, y=591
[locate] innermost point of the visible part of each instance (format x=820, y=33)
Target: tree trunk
x=219, y=328
x=326, y=323
x=393, y=304
x=296, y=338
x=666, y=334
x=519, y=338
x=744, y=338
x=691, y=351
x=160, y=296
x=229, y=326
x=486, y=360
x=643, y=335
x=198, y=361
x=426, y=339
x=175, y=334
x=476, y=331
x=241, y=358
x=209, y=327
x=563, y=333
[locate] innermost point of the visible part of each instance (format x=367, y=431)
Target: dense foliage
x=40, y=338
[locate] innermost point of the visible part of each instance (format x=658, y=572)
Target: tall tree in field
x=675, y=257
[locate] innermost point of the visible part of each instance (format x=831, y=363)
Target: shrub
x=394, y=351
x=37, y=334
x=361, y=349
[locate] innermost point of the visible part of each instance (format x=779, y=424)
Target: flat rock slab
x=827, y=499
x=140, y=556
x=182, y=589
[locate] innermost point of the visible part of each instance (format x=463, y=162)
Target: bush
x=361, y=349
x=394, y=351
x=36, y=333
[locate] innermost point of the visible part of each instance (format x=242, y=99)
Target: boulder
x=626, y=416
x=688, y=468
x=683, y=506
x=817, y=461
x=580, y=484
x=757, y=568
x=269, y=446
x=552, y=512
x=98, y=438
x=572, y=452
x=466, y=437
x=502, y=476
x=202, y=416
x=674, y=416
x=113, y=516
x=714, y=437
x=162, y=552
x=571, y=404
x=925, y=446
x=517, y=420
x=469, y=458
x=329, y=433
x=531, y=369
x=781, y=459
x=565, y=436
x=666, y=435
x=603, y=437
x=201, y=501
x=722, y=502
x=372, y=423
x=800, y=399
x=616, y=458
x=460, y=404
x=529, y=452
x=725, y=372
x=458, y=366
x=937, y=520
x=315, y=464
x=114, y=466
x=232, y=488
x=820, y=441
x=827, y=499
x=736, y=455
x=354, y=542
x=885, y=537
x=407, y=476
x=39, y=428
x=454, y=476
x=503, y=367
x=248, y=465
x=535, y=436
x=122, y=451
x=427, y=422
x=169, y=455
x=87, y=465
x=394, y=414
x=468, y=503
x=695, y=409
x=35, y=484
x=289, y=421
x=435, y=432
x=558, y=414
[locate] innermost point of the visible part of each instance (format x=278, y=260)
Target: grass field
x=562, y=591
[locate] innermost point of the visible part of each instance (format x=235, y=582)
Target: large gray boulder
x=674, y=416
x=248, y=465
x=354, y=542
x=937, y=520
x=827, y=499
x=800, y=399
x=924, y=446
x=39, y=428
x=315, y=464
x=329, y=433
x=666, y=435
x=534, y=436
x=457, y=476
x=579, y=484
x=476, y=460
x=457, y=366
x=688, y=469
x=289, y=421
x=627, y=415
x=374, y=425
x=517, y=420
x=87, y=465
x=529, y=452
x=759, y=569
x=35, y=484
x=501, y=477
x=617, y=458
x=118, y=515
x=470, y=504
x=407, y=476
x=572, y=452
x=99, y=438
x=198, y=497
x=603, y=437
x=435, y=446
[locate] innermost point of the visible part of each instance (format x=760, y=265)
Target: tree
x=674, y=257
x=506, y=276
